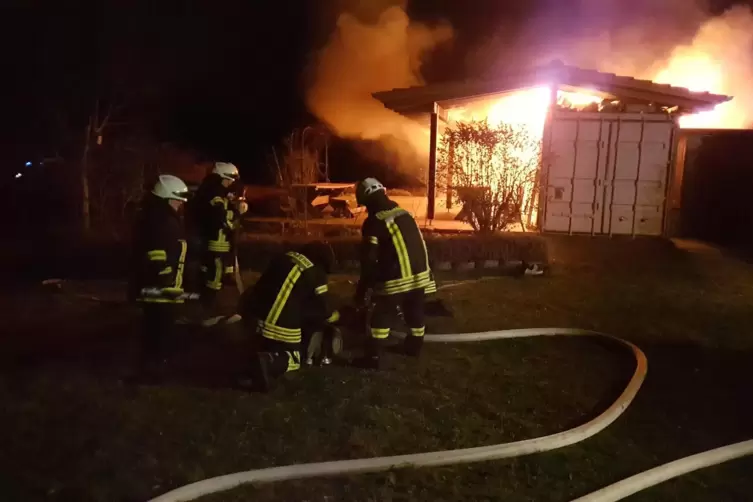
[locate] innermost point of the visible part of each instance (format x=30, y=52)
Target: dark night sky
x=223, y=75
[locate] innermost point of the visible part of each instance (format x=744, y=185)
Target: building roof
x=421, y=99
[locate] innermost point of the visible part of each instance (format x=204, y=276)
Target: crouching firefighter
x=287, y=311
x=217, y=217
x=395, y=268
x=158, y=261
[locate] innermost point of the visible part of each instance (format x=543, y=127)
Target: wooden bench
x=342, y=207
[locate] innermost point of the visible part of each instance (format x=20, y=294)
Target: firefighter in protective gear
x=158, y=261
x=217, y=217
x=394, y=267
x=287, y=309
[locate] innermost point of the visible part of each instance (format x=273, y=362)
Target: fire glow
x=526, y=109
x=698, y=72
x=717, y=60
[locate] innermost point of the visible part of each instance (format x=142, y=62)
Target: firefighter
x=158, y=261
x=216, y=215
x=431, y=289
x=394, y=268
x=289, y=308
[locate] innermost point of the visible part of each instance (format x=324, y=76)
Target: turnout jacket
x=394, y=259
x=213, y=216
x=159, y=252
x=291, y=294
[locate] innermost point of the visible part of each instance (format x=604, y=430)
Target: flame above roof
x=421, y=98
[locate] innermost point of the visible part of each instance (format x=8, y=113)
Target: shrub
x=492, y=170
x=256, y=250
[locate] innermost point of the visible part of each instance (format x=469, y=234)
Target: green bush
x=255, y=251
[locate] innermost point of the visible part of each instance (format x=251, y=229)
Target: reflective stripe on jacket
x=291, y=294
x=394, y=257
x=159, y=251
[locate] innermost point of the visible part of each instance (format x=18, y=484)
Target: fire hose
x=614, y=492
x=159, y=293
x=57, y=285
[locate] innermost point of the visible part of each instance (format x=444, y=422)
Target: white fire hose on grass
x=614, y=492
x=611, y=493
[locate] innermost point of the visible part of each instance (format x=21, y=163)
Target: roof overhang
x=421, y=99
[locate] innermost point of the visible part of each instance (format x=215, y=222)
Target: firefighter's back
x=279, y=294
x=402, y=251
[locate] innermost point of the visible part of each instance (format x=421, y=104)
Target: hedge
x=255, y=251
x=107, y=258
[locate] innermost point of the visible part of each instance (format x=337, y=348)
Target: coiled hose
x=437, y=458
x=611, y=493
x=614, y=492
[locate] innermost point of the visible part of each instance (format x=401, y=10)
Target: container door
x=577, y=162
x=640, y=153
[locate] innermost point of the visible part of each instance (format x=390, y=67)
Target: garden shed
x=608, y=142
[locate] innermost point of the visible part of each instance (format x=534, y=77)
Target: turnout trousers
x=158, y=322
x=214, y=267
x=412, y=304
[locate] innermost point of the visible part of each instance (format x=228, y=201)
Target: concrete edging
x=465, y=266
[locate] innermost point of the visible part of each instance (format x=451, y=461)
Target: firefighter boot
x=265, y=368
x=413, y=345
x=371, y=359
x=209, y=316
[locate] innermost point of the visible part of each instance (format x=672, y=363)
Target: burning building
x=608, y=142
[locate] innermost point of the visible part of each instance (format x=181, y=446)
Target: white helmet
x=366, y=188
x=226, y=171
x=170, y=187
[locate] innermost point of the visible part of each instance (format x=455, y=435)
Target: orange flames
x=361, y=58
x=525, y=108
x=717, y=60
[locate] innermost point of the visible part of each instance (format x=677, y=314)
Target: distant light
x=28, y=164
x=18, y=175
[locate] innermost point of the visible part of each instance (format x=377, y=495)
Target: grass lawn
x=72, y=431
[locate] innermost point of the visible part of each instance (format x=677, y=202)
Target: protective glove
x=242, y=207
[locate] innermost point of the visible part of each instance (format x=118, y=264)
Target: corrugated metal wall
x=716, y=199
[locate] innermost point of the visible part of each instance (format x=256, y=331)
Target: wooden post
x=450, y=174
x=432, y=192
x=85, y=204
x=542, y=181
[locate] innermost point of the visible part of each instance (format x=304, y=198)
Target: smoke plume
x=671, y=42
x=719, y=59
x=361, y=58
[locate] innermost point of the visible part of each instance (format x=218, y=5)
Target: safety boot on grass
x=412, y=345
x=368, y=363
x=261, y=380
x=372, y=357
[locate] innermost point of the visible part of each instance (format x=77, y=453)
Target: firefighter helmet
x=366, y=188
x=170, y=187
x=321, y=254
x=226, y=171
